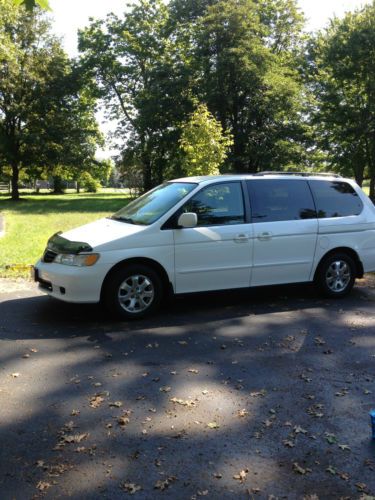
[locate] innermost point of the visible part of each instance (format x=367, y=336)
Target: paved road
x=261, y=393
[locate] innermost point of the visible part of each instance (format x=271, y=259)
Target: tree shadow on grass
x=218, y=396
x=84, y=204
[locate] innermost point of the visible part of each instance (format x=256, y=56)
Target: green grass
x=32, y=220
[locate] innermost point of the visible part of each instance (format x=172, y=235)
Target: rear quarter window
x=274, y=200
x=335, y=199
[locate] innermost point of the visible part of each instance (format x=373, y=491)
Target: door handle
x=241, y=238
x=264, y=236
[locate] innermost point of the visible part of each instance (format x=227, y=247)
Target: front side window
x=154, y=204
x=335, y=199
x=280, y=200
x=219, y=204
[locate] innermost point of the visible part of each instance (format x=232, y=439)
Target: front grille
x=49, y=256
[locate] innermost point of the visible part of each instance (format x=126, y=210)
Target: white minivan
x=213, y=233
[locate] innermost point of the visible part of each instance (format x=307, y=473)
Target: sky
x=70, y=15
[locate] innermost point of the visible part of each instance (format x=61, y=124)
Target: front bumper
x=69, y=283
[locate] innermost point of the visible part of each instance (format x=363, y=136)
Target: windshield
x=152, y=205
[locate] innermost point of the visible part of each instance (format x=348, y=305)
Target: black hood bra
x=59, y=244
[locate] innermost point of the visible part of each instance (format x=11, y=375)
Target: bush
x=89, y=183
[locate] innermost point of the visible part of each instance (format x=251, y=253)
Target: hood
x=102, y=231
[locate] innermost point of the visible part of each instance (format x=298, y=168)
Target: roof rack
x=302, y=174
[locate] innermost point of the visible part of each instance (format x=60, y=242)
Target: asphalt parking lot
x=248, y=394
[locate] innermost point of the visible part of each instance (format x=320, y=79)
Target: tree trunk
x=359, y=174
x=147, y=177
x=15, y=179
x=58, y=187
x=78, y=187
x=372, y=188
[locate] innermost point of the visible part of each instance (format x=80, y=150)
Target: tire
x=133, y=292
x=336, y=275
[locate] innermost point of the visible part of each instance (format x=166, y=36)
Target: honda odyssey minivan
x=213, y=233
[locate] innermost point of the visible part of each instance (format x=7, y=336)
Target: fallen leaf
x=123, y=420
x=130, y=487
x=362, y=487
x=300, y=470
x=288, y=443
x=297, y=429
x=73, y=438
x=331, y=470
x=116, y=404
x=242, y=413
x=213, y=425
x=165, y=388
x=43, y=486
x=183, y=402
x=241, y=476
x=163, y=484
x=268, y=423
x=96, y=401
x=345, y=476
x=319, y=341
x=344, y=447
x=330, y=438
x=342, y=392
x=260, y=393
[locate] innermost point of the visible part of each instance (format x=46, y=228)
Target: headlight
x=80, y=260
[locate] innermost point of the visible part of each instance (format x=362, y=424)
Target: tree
x=131, y=60
x=343, y=67
x=46, y=112
x=248, y=53
x=204, y=144
x=32, y=4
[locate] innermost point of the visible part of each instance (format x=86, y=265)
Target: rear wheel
x=133, y=292
x=336, y=275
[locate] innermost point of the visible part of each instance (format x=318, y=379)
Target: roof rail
x=302, y=174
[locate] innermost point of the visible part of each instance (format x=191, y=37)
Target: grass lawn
x=30, y=222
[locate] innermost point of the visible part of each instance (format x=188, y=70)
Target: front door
x=217, y=253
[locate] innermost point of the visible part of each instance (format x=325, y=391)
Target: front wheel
x=336, y=275
x=133, y=292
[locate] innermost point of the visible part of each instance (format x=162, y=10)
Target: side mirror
x=188, y=219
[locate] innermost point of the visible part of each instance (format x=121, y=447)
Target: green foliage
x=204, y=144
x=342, y=62
x=247, y=54
x=32, y=4
x=88, y=182
x=46, y=109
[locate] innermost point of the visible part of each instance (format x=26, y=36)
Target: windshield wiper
x=128, y=220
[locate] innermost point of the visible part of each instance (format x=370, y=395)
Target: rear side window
x=277, y=200
x=335, y=199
